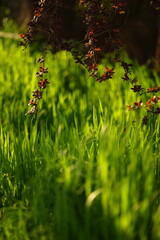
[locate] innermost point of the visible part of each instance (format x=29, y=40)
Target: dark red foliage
x=46, y=19
x=152, y=101
x=43, y=70
x=137, y=88
x=135, y=105
x=107, y=75
x=101, y=28
x=37, y=94
x=157, y=89
x=145, y=120
x=43, y=83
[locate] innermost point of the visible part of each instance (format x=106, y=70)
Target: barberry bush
x=103, y=21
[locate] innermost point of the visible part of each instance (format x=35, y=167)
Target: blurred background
x=140, y=34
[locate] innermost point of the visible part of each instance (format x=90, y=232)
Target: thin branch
x=9, y=35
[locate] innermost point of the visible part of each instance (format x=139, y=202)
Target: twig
x=9, y=35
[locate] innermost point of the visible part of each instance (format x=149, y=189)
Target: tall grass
x=84, y=168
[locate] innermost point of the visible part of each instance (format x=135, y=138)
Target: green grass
x=85, y=168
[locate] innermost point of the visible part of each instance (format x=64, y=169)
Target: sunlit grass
x=85, y=168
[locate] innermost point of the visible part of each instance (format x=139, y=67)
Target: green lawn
x=85, y=168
